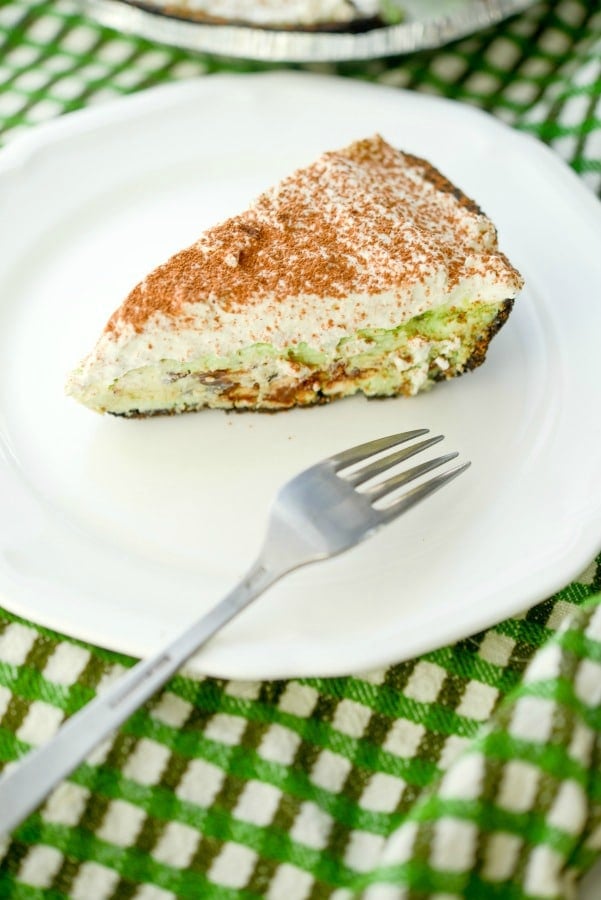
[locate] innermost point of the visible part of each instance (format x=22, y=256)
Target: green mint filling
x=391, y=12
x=307, y=355
x=436, y=326
x=369, y=346
x=371, y=356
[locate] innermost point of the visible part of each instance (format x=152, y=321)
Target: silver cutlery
x=330, y=507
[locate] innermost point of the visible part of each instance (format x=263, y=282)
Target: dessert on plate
x=367, y=271
x=284, y=14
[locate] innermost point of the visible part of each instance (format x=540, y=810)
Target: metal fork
x=326, y=509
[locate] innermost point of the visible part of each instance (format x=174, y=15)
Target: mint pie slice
x=367, y=271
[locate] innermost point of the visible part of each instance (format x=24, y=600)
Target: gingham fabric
x=471, y=772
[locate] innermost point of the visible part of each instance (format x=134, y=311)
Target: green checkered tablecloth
x=471, y=772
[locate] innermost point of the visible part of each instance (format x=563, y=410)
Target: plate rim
x=21, y=149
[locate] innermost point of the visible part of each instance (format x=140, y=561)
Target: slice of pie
x=366, y=271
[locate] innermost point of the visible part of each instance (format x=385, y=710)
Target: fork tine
x=381, y=465
x=414, y=496
x=391, y=484
x=362, y=451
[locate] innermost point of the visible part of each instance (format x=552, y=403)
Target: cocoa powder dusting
x=362, y=220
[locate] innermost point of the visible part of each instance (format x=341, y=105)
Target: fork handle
x=25, y=786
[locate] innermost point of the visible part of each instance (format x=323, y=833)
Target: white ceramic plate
x=121, y=532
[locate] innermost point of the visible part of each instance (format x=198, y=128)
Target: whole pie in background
x=318, y=15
